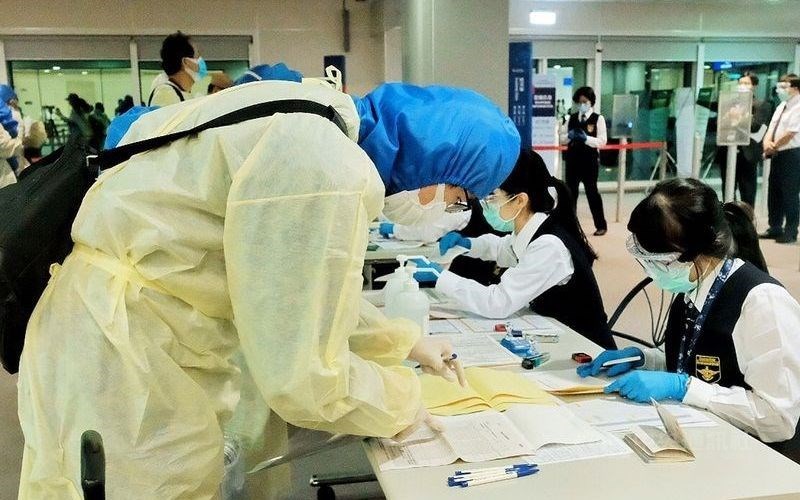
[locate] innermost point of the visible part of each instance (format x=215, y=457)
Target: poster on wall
x=544, y=129
x=520, y=66
x=734, y=118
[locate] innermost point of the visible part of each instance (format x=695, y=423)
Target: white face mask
x=743, y=88
x=406, y=209
x=584, y=107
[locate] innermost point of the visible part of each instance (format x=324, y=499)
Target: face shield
x=666, y=271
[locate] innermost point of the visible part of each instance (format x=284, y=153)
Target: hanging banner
x=520, y=67
x=544, y=129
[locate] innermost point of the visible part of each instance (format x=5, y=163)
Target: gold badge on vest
x=590, y=128
x=708, y=368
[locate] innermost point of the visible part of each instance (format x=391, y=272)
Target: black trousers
x=586, y=171
x=783, y=201
x=746, y=179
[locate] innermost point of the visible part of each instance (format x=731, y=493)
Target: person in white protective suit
x=248, y=238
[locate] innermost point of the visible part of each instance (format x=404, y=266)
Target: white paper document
x=614, y=415
x=483, y=436
x=398, y=244
x=758, y=135
x=449, y=255
x=477, y=324
x=609, y=446
x=565, y=380
x=437, y=326
x=540, y=322
x=479, y=349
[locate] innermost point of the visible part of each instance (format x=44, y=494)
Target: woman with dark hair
x=731, y=339
x=548, y=258
x=586, y=134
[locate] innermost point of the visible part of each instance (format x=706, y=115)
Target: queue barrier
x=622, y=166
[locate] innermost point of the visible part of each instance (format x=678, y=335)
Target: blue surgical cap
x=119, y=126
x=7, y=120
x=7, y=93
x=420, y=136
x=266, y=72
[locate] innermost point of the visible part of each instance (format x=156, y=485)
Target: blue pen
x=494, y=469
x=455, y=480
x=495, y=478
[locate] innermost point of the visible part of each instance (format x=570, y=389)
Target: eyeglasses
x=461, y=205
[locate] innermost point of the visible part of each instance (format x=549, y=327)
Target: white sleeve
x=493, y=248
x=773, y=122
x=602, y=135
x=768, y=352
x=793, y=123
x=546, y=263
x=9, y=146
x=429, y=233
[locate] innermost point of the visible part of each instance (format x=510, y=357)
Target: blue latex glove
x=643, y=385
x=596, y=365
x=580, y=135
x=386, y=229
x=571, y=134
x=451, y=239
x=424, y=273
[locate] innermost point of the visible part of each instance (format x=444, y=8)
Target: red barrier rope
x=607, y=147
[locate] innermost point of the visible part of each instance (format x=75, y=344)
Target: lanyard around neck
x=683, y=353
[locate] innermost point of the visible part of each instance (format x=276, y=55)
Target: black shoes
x=770, y=235
x=786, y=239
x=600, y=232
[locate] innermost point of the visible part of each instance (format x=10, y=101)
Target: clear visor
x=642, y=255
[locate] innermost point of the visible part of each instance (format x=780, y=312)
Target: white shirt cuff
x=699, y=393
x=448, y=283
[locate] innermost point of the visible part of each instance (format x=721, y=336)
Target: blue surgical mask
x=584, y=107
x=672, y=277
x=492, y=214
x=202, y=69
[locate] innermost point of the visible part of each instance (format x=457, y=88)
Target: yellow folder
x=487, y=389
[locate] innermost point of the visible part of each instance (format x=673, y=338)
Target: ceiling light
x=542, y=17
x=557, y=66
x=47, y=71
x=56, y=68
x=84, y=72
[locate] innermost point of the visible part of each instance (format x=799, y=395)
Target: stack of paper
x=487, y=389
x=568, y=382
x=653, y=444
x=483, y=436
x=615, y=415
x=479, y=349
x=609, y=446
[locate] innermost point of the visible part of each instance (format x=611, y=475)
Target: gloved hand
x=579, y=135
x=642, y=385
x=451, y=239
x=422, y=419
x=431, y=354
x=427, y=272
x=386, y=229
x=596, y=365
x=571, y=134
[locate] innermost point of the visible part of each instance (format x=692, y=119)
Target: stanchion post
x=662, y=164
x=730, y=175
x=765, y=187
x=621, y=174
x=697, y=158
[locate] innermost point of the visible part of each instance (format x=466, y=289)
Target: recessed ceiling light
x=542, y=17
x=47, y=71
x=557, y=66
x=84, y=72
x=56, y=68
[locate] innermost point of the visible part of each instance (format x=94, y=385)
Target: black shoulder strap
x=112, y=157
x=174, y=87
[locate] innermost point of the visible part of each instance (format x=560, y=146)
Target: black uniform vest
x=577, y=303
x=714, y=356
x=484, y=272
x=578, y=152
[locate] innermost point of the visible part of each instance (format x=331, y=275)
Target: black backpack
x=40, y=208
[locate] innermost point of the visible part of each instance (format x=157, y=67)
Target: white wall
x=299, y=33
x=680, y=18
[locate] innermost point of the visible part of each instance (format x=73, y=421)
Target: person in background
x=586, y=133
x=98, y=122
x=123, y=105
x=782, y=144
x=37, y=136
x=731, y=342
x=78, y=120
x=10, y=146
x=182, y=69
x=748, y=157
x=9, y=96
x=548, y=258
x=219, y=81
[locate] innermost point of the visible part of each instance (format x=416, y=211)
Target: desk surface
x=729, y=464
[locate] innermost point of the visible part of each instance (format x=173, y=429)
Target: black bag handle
x=112, y=157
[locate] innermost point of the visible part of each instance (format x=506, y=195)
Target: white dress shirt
x=592, y=142
x=786, y=122
x=429, y=233
x=532, y=270
x=766, y=338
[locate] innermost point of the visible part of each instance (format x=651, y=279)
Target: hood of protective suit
x=7, y=93
x=420, y=136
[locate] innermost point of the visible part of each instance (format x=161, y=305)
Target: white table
x=729, y=465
